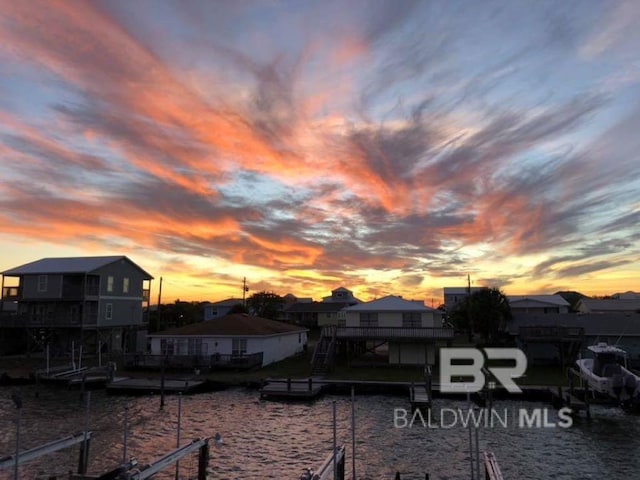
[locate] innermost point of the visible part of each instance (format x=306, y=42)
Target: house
x=220, y=309
x=609, y=305
x=341, y=295
x=538, y=304
x=409, y=329
x=547, y=338
x=96, y=302
x=319, y=314
x=455, y=295
x=234, y=338
x=628, y=295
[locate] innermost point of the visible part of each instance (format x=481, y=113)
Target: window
x=109, y=283
x=43, y=281
x=369, y=319
x=411, y=319
x=238, y=346
x=166, y=346
x=108, y=311
x=125, y=285
x=195, y=346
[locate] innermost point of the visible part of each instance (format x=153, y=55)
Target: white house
x=456, y=295
x=232, y=336
x=538, y=304
x=220, y=309
x=410, y=328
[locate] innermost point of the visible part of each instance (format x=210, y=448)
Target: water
x=272, y=440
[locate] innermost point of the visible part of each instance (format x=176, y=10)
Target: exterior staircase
x=324, y=353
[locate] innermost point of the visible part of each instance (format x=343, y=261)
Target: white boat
x=607, y=373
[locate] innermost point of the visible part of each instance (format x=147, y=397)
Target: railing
x=491, y=467
x=550, y=332
x=215, y=361
x=392, y=332
x=10, y=293
x=26, y=320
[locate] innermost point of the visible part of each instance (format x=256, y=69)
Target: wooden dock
x=287, y=388
x=141, y=386
x=566, y=397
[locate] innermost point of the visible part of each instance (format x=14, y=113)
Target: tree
x=486, y=313
x=265, y=304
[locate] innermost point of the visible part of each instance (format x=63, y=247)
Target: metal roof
x=596, y=304
x=550, y=299
x=59, y=265
x=390, y=303
x=235, y=324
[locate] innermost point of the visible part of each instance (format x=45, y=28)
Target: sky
x=391, y=147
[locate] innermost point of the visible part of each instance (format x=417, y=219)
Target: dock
x=142, y=386
x=566, y=397
x=419, y=397
x=304, y=389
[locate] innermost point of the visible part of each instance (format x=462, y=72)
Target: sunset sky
x=388, y=147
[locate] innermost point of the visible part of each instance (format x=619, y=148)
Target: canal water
x=273, y=440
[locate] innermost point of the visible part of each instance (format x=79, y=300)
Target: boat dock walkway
x=136, y=386
x=567, y=397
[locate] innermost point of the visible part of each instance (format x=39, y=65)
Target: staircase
x=323, y=354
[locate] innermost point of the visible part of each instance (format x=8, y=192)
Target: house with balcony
x=95, y=302
x=403, y=332
x=319, y=314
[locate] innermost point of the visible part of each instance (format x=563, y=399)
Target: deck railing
x=550, y=332
x=215, y=361
x=390, y=333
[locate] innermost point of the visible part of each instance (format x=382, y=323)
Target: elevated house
x=96, y=302
x=407, y=330
x=237, y=340
x=558, y=338
x=319, y=314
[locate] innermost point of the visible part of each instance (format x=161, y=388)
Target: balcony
x=389, y=333
x=10, y=294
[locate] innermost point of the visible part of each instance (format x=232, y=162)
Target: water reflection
x=272, y=440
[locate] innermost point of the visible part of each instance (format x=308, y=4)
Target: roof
x=229, y=302
x=68, y=265
x=549, y=299
x=316, y=307
x=235, y=324
x=390, y=303
x=596, y=304
x=603, y=347
x=604, y=324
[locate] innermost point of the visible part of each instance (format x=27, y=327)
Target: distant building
x=629, y=295
x=220, y=309
x=235, y=338
x=613, y=305
x=92, y=301
x=538, y=304
x=319, y=314
x=453, y=296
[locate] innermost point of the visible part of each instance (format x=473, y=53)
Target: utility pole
x=469, y=320
x=245, y=289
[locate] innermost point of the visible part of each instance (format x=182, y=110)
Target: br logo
x=474, y=362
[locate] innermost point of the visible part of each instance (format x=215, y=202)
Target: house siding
x=390, y=319
x=274, y=348
x=30, y=287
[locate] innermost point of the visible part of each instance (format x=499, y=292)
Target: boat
x=607, y=373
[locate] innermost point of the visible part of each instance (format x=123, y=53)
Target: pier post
x=310, y=383
x=17, y=399
x=164, y=361
x=84, y=446
x=203, y=461
x=586, y=400
x=288, y=384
